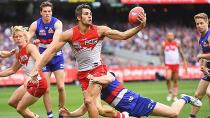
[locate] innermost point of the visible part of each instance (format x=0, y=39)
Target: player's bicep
x=33, y=50
x=32, y=30
x=58, y=29
x=209, y=40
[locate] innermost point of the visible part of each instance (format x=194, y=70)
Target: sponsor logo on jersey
x=23, y=59
x=50, y=31
x=42, y=32
x=170, y=48
x=205, y=44
x=130, y=98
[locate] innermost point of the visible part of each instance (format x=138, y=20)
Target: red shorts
x=97, y=71
x=37, y=89
x=173, y=67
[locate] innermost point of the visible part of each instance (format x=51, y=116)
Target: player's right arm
x=162, y=53
x=54, y=47
x=13, y=69
x=5, y=54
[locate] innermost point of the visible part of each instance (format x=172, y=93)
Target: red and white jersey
x=25, y=60
x=86, y=48
x=171, y=52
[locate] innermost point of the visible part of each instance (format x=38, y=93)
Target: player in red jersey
x=33, y=88
x=86, y=42
x=171, y=50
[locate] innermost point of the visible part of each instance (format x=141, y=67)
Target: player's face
x=46, y=13
x=19, y=38
x=170, y=36
x=201, y=25
x=86, y=17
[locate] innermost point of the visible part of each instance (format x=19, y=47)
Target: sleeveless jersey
x=204, y=43
x=45, y=32
x=86, y=48
x=171, y=52
x=25, y=60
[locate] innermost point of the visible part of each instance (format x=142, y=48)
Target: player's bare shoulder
x=67, y=35
x=102, y=30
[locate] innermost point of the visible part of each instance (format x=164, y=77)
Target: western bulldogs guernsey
x=204, y=43
x=125, y=100
x=45, y=32
x=86, y=48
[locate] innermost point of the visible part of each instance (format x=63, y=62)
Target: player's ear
x=78, y=18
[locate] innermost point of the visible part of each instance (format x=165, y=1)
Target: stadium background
x=135, y=59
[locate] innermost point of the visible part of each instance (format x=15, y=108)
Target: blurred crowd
x=148, y=40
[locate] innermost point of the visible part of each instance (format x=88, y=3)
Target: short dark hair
x=46, y=4
x=78, y=10
x=203, y=16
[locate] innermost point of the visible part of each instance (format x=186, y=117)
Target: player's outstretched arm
x=105, y=79
x=76, y=113
x=13, y=69
x=118, y=35
x=5, y=54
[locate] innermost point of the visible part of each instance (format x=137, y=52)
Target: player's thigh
x=59, y=75
x=27, y=101
x=168, y=73
x=17, y=94
x=162, y=110
x=175, y=75
x=94, y=90
x=201, y=89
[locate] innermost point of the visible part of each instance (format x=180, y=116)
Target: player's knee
x=60, y=89
x=88, y=100
x=208, y=93
x=19, y=109
x=12, y=104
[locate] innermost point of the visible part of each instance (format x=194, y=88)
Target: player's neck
x=83, y=28
x=204, y=33
x=45, y=21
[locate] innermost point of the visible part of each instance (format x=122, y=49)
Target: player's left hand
x=12, y=51
x=142, y=19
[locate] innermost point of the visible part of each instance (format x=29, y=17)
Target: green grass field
x=155, y=90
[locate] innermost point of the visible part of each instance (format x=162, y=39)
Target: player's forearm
x=45, y=58
x=5, y=54
x=205, y=56
x=78, y=112
x=131, y=32
x=7, y=72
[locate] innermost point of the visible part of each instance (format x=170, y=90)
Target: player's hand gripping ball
x=133, y=15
